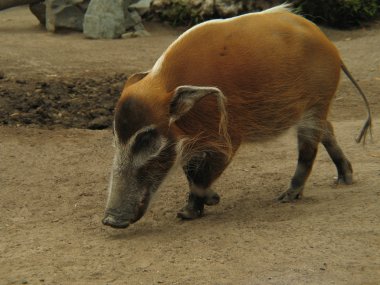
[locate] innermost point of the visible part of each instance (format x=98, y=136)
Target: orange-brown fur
x=223, y=82
x=272, y=67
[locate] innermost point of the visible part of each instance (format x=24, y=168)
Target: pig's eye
x=147, y=141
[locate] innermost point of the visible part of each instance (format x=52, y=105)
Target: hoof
x=193, y=209
x=115, y=222
x=212, y=199
x=189, y=214
x=290, y=195
x=344, y=179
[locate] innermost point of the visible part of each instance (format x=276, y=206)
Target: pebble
x=20, y=81
x=99, y=123
x=136, y=34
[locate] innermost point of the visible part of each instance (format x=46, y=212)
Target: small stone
x=136, y=34
x=127, y=35
x=100, y=123
x=42, y=84
x=95, y=113
x=20, y=81
x=2, y=75
x=24, y=281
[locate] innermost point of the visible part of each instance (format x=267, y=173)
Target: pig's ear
x=135, y=78
x=185, y=97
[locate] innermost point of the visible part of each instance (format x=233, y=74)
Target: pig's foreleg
x=201, y=171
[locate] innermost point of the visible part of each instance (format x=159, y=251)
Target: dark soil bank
x=71, y=102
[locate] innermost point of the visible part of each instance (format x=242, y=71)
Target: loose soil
x=54, y=175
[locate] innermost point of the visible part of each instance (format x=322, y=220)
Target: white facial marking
x=123, y=151
x=124, y=159
x=110, y=186
x=143, y=157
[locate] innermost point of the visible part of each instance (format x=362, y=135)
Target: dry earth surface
x=53, y=180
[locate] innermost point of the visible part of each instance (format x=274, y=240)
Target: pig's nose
x=114, y=222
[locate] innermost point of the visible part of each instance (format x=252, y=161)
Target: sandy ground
x=53, y=187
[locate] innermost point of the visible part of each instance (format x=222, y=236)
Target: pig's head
x=145, y=151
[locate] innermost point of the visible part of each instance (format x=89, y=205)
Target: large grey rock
x=142, y=6
x=39, y=10
x=65, y=14
x=5, y=4
x=132, y=20
x=104, y=19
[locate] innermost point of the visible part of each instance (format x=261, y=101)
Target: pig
x=220, y=84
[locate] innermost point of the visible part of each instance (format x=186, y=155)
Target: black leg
x=308, y=139
x=201, y=171
x=342, y=164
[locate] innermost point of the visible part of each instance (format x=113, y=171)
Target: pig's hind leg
x=342, y=164
x=201, y=171
x=309, y=136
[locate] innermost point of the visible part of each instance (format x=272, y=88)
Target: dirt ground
x=53, y=179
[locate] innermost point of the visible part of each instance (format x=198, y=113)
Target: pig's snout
x=115, y=222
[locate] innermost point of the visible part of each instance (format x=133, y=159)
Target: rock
x=142, y=6
x=100, y=123
x=104, y=19
x=132, y=20
x=65, y=14
x=5, y=4
x=21, y=81
x=136, y=34
x=39, y=10
x=99, y=112
x=2, y=75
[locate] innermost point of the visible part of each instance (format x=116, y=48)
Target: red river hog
x=222, y=83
